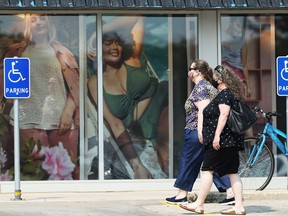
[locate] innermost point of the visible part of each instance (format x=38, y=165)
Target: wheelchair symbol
x=14, y=75
x=285, y=69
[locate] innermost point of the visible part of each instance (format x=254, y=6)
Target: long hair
x=232, y=81
x=28, y=35
x=204, y=68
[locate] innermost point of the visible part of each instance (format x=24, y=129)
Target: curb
x=247, y=195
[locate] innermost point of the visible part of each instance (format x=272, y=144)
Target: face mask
x=215, y=83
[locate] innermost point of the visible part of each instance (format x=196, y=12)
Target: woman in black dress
x=220, y=144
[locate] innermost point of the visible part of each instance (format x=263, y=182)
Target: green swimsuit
x=139, y=87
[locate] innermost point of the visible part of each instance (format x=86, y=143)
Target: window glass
x=246, y=47
x=281, y=49
x=250, y=44
x=152, y=49
x=49, y=119
x=185, y=49
x=135, y=97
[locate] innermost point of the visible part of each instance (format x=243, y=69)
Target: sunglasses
x=191, y=68
x=219, y=68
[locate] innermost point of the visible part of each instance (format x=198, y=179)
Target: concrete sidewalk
x=140, y=203
x=276, y=194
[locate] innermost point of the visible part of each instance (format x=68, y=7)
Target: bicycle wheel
x=258, y=176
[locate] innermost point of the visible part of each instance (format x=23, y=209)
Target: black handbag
x=241, y=117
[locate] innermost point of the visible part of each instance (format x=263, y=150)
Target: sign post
x=282, y=88
x=16, y=86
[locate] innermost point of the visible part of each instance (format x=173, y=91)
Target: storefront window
x=135, y=85
x=141, y=55
x=49, y=119
x=281, y=49
x=246, y=47
x=144, y=74
x=185, y=50
x=249, y=48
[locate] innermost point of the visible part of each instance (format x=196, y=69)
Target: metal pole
x=16, y=151
x=100, y=98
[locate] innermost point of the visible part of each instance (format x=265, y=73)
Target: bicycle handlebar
x=268, y=115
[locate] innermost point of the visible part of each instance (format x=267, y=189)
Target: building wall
x=171, y=42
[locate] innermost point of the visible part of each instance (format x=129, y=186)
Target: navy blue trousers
x=191, y=159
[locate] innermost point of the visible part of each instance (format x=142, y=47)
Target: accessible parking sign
x=16, y=78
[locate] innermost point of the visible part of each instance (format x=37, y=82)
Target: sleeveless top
x=48, y=92
x=69, y=69
x=139, y=87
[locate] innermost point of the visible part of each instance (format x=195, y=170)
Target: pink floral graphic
x=36, y=154
x=57, y=162
x=39, y=162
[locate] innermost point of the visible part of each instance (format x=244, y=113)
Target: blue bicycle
x=257, y=161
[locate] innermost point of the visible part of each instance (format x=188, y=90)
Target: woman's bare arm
x=224, y=113
x=201, y=105
x=132, y=23
x=66, y=118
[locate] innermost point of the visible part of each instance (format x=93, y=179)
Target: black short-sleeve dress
x=226, y=160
